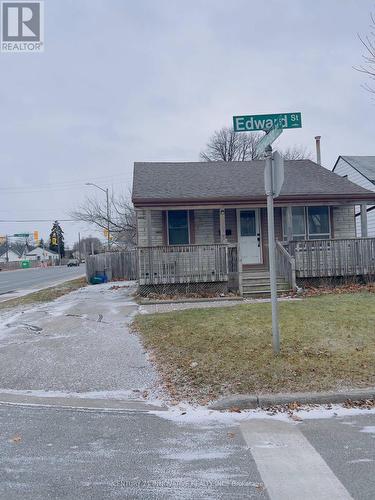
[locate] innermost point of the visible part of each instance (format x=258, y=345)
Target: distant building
x=12, y=255
x=42, y=255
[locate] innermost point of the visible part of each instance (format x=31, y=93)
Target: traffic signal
x=54, y=241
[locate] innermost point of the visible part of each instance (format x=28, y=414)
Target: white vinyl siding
x=343, y=168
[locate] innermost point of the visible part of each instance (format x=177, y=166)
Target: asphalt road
x=68, y=454
x=30, y=279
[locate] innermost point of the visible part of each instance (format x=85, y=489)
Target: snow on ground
x=186, y=414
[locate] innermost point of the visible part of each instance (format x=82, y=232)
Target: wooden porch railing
x=183, y=264
x=286, y=265
x=341, y=257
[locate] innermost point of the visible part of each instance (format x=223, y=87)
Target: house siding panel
x=141, y=228
x=343, y=168
x=204, y=226
x=343, y=222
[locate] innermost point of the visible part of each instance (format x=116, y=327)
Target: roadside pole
x=79, y=247
x=7, y=248
x=272, y=249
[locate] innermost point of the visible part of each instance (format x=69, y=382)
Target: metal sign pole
x=271, y=250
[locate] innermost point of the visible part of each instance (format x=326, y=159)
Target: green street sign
x=21, y=235
x=249, y=123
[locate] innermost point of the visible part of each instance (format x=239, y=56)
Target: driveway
x=77, y=343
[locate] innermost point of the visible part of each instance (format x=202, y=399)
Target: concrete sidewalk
x=77, y=343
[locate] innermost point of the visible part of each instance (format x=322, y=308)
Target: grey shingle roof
x=364, y=164
x=235, y=180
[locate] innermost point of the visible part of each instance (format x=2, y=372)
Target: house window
x=318, y=219
x=178, y=227
x=308, y=223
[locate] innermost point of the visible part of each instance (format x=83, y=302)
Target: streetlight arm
x=92, y=184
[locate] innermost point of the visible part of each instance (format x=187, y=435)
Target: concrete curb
x=145, y=302
x=251, y=401
x=74, y=403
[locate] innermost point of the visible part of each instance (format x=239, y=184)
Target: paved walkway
x=182, y=306
x=77, y=343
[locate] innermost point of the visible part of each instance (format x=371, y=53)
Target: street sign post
x=21, y=235
x=268, y=139
x=277, y=173
x=273, y=125
x=251, y=123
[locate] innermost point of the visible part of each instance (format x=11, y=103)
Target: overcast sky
x=150, y=80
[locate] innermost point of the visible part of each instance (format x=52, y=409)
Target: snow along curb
x=250, y=401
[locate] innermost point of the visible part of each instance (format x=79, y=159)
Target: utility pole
x=272, y=250
x=106, y=191
x=79, y=247
x=7, y=248
x=108, y=235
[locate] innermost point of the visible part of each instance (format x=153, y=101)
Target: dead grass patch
x=45, y=295
x=328, y=342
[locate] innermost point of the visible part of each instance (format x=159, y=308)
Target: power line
x=38, y=220
x=62, y=184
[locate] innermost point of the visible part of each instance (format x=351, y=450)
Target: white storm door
x=249, y=236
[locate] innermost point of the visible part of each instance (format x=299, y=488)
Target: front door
x=249, y=236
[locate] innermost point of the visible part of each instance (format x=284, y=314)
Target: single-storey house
x=10, y=254
x=42, y=255
x=361, y=171
x=203, y=225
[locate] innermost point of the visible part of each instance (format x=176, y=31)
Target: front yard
x=327, y=342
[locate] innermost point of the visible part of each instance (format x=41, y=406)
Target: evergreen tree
x=41, y=243
x=56, y=239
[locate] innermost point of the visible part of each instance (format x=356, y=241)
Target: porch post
x=289, y=223
x=148, y=226
x=223, y=236
x=364, y=231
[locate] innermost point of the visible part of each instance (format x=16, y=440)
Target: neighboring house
x=11, y=256
x=201, y=225
x=361, y=171
x=42, y=255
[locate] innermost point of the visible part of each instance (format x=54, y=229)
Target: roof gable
x=365, y=165
x=218, y=181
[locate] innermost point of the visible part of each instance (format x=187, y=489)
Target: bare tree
x=122, y=220
x=228, y=145
x=89, y=243
x=296, y=153
x=368, y=66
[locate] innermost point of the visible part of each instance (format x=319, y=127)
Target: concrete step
x=261, y=293
x=261, y=280
x=264, y=286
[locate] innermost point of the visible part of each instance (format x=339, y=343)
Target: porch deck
x=219, y=263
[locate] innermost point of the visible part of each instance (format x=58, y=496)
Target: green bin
x=25, y=264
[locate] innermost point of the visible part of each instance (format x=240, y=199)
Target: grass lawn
x=45, y=295
x=327, y=342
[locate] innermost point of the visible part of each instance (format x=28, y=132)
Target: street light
x=107, y=197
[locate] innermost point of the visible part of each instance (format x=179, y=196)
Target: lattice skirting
x=214, y=288
x=334, y=280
